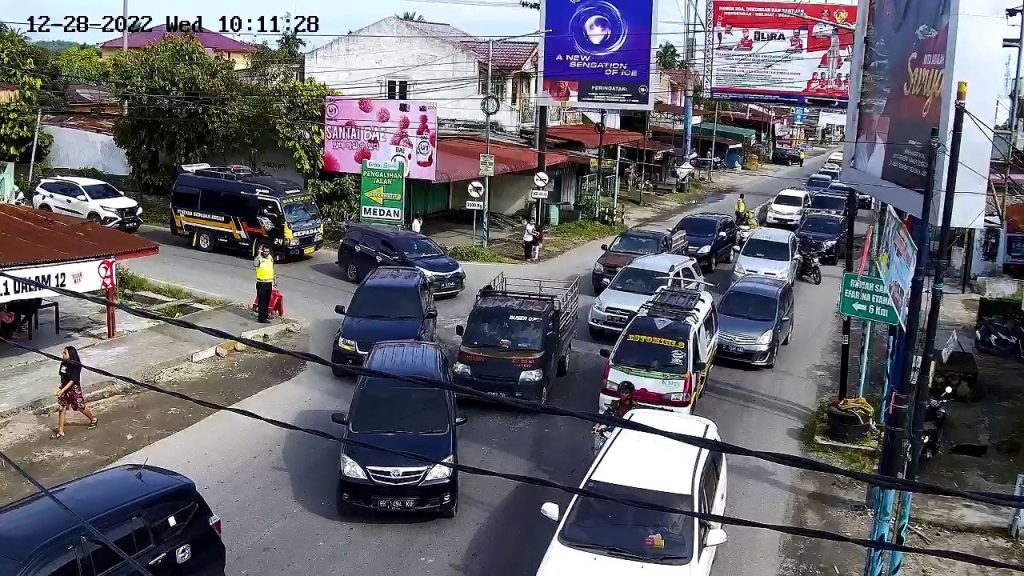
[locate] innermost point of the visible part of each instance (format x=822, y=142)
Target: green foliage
x=81, y=65
x=338, y=197
x=584, y=230
x=668, y=56
x=296, y=119
x=478, y=254
x=22, y=64
x=55, y=45
x=411, y=16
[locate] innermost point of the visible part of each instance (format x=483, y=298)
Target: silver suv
x=768, y=252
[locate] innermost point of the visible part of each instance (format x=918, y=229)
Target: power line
x=535, y=481
x=714, y=445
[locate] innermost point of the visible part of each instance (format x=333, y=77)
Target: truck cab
x=518, y=337
x=665, y=352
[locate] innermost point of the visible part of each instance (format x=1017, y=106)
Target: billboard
x=896, y=261
x=905, y=74
x=380, y=131
x=382, y=192
x=598, y=53
x=781, y=52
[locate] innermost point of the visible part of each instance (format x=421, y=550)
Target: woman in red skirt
x=69, y=394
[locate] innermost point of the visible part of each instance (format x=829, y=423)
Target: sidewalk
x=30, y=380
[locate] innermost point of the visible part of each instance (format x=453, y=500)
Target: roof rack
x=230, y=172
x=673, y=303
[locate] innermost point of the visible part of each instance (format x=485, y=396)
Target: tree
x=81, y=65
x=269, y=66
x=411, y=16
x=668, y=56
x=183, y=106
x=21, y=64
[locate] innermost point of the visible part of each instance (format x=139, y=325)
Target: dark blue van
x=157, y=516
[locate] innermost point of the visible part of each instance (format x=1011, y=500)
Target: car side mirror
x=605, y=353
x=81, y=197
x=735, y=248
x=460, y=420
x=550, y=511
x=721, y=234
x=340, y=418
x=786, y=318
x=431, y=314
x=604, y=247
x=340, y=309
x=460, y=330
x=715, y=537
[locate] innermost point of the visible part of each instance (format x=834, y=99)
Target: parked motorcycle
x=810, y=266
x=934, y=422
x=1000, y=336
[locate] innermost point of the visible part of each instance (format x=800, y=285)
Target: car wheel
x=351, y=272
x=338, y=372
x=93, y=217
x=45, y=208
x=596, y=333
x=563, y=364
x=774, y=357
x=204, y=241
x=450, y=510
x=790, y=335
x=344, y=508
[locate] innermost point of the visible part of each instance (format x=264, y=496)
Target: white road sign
x=476, y=189
x=474, y=205
x=539, y=194
x=540, y=180
x=487, y=164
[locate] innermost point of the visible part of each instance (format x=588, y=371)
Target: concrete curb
x=264, y=333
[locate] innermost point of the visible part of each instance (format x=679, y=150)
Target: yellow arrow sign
x=377, y=195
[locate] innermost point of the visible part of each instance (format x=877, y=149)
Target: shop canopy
x=459, y=158
x=586, y=134
x=724, y=131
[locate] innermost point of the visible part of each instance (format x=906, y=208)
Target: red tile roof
x=506, y=54
x=586, y=135
x=99, y=123
x=211, y=40
x=29, y=236
x=458, y=159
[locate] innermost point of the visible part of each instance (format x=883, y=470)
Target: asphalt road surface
x=275, y=490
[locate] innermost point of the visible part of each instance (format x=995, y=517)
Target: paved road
x=275, y=490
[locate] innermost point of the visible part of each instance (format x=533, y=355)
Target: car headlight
x=531, y=375
x=766, y=337
x=461, y=369
x=319, y=237
x=599, y=268
x=293, y=241
x=346, y=344
x=738, y=268
x=440, y=471
x=461, y=272
x=704, y=249
x=598, y=305
x=828, y=244
x=351, y=469
x=138, y=210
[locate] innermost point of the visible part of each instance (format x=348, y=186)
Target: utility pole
x=868, y=327
x=124, y=33
x=714, y=141
x=844, y=360
x=893, y=452
x=35, y=140
x=600, y=161
x=932, y=325
x=542, y=148
x=485, y=232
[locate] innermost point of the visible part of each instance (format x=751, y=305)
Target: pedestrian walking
x=529, y=235
x=538, y=243
x=69, y=393
x=264, y=264
x=741, y=210
x=417, y=223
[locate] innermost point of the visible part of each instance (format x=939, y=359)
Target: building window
x=398, y=89
x=499, y=85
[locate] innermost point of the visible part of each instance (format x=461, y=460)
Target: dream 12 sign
x=85, y=276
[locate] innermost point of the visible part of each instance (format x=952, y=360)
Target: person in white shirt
x=529, y=235
x=417, y=223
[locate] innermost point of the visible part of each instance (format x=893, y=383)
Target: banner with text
x=897, y=258
x=381, y=131
x=382, y=193
x=87, y=276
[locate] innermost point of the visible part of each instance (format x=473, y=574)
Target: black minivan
x=155, y=515
x=402, y=416
x=366, y=246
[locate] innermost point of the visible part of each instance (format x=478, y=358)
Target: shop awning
x=31, y=237
x=458, y=159
x=724, y=131
x=586, y=135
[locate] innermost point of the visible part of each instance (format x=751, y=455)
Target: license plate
x=308, y=249
x=447, y=285
x=729, y=348
x=395, y=504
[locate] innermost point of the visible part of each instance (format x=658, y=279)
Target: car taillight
x=215, y=523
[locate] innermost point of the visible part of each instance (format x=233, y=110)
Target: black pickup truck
x=518, y=337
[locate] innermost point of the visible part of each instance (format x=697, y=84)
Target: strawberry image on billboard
x=782, y=52
x=380, y=131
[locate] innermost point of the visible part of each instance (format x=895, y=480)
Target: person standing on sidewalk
x=264, y=264
x=529, y=235
x=69, y=393
x=417, y=223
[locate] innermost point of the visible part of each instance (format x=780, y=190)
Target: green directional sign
x=866, y=297
x=382, y=194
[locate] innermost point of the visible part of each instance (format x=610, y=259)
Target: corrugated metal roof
x=586, y=134
x=88, y=94
x=207, y=39
x=459, y=158
x=99, y=123
x=29, y=236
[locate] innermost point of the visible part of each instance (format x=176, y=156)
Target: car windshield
x=787, y=200
x=385, y=302
x=820, y=225
x=102, y=191
x=766, y=249
x=698, y=226
x=505, y=328
x=819, y=182
x=416, y=248
x=738, y=304
x=385, y=408
x=828, y=202
x=639, y=281
x=300, y=211
x=619, y=530
x=646, y=345
x=636, y=244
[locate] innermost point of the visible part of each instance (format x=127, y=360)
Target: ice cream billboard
x=785, y=52
x=598, y=53
x=380, y=131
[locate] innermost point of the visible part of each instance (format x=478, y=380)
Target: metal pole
x=485, y=232
x=600, y=168
x=714, y=142
x=618, y=160
x=965, y=277
x=35, y=140
x=124, y=33
x=894, y=454
x=868, y=327
x=643, y=169
x=844, y=360
x=542, y=147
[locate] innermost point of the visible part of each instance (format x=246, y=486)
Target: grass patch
x=694, y=191
x=156, y=208
x=129, y=282
x=853, y=459
x=478, y=254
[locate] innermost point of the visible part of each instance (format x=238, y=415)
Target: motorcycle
x=810, y=266
x=602, y=432
x=745, y=228
x=934, y=422
x=1000, y=336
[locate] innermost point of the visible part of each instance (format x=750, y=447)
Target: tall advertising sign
x=598, y=53
x=781, y=52
x=381, y=131
x=382, y=192
x=896, y=262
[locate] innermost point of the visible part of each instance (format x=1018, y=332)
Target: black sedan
x=824, y=234
x=787, y=156
x=829, y=203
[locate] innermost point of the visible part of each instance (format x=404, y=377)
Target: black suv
x=392, y=303
x=402, y=416
x=154, y=515
x=366, y=246
x=823, y=234
x=710, y=236
x=787, y=156
x=828, y=203
x=629, y=246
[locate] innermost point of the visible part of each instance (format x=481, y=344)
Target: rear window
x=131, y=537
x=828, y=202
x=819, y=181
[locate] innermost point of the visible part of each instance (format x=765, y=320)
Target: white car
x=787, y=208
x=835, y=158
x=601, y=538
x=634, y=284
x=93, y=200
x=768, y=252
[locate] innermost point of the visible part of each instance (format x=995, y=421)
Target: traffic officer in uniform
x=264, y=264
x=741, y=210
